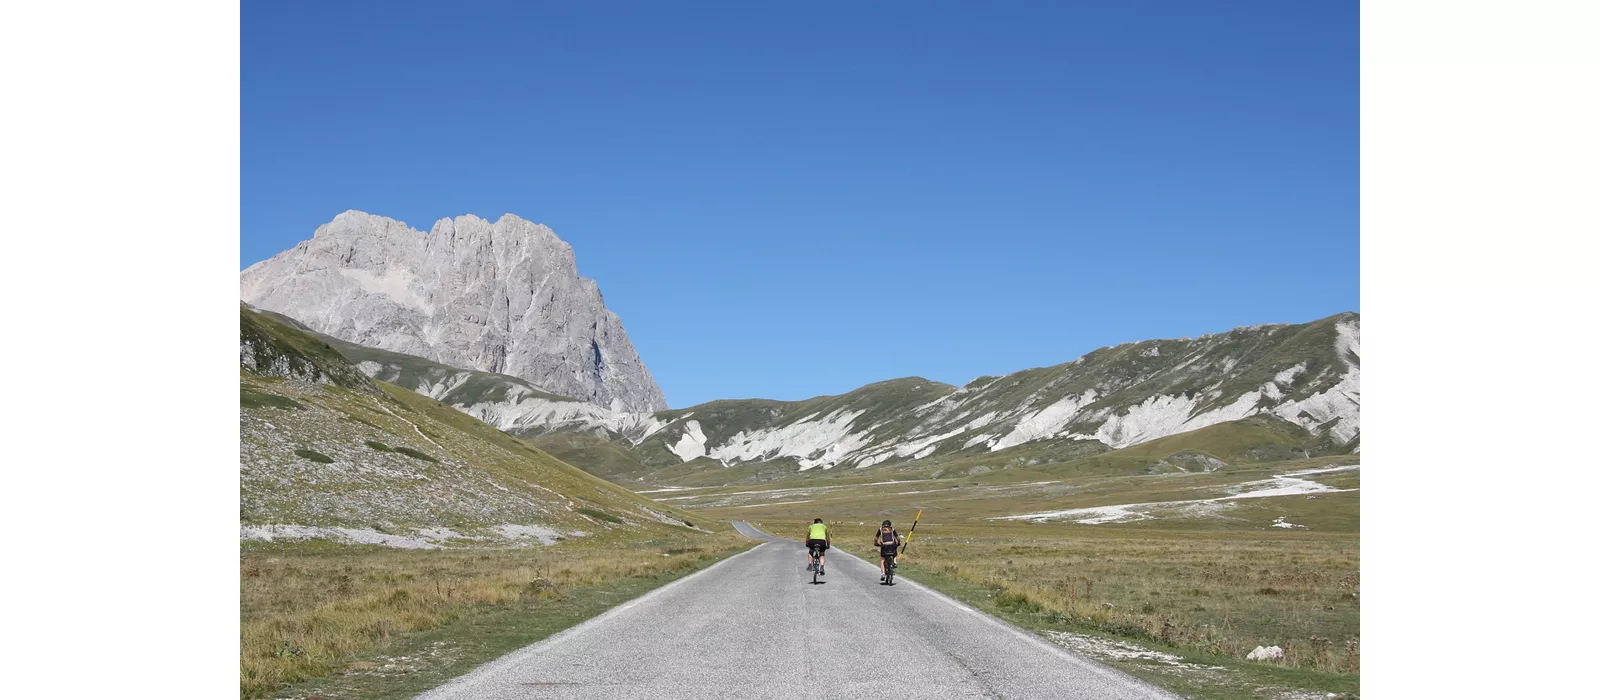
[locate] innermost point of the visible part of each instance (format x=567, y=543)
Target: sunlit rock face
x=500, y=297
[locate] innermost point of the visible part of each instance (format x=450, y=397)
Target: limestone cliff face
x=498, y=297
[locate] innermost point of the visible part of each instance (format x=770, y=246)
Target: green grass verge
x=434, y=657
x=333, y=621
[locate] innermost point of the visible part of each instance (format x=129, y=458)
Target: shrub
x=1017, y=603
x=415, y=454
x=379, y=446
x=600, y=515
x=314, y=456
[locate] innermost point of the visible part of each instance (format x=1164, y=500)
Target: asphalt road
x=753, y=626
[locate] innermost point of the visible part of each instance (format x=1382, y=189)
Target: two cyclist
x=817, y=542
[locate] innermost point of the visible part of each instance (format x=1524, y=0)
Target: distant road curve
x=753, y=626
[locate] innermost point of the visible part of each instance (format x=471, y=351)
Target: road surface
x=753, y=626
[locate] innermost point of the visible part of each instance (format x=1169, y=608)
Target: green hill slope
x=327, y=453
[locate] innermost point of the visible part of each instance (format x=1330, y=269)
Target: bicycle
x=888, y=568
x=816, y=564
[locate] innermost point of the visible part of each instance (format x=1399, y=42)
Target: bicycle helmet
x=818, y=520
x=886, y=524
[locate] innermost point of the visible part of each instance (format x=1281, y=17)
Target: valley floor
x=1175, y=578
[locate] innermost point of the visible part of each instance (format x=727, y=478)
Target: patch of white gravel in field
x=798, y=490
x=1281, y=485
x=346, y=535
x=424, y=538
x=1113, y=650
x=545, y=535
x=1324, y=470
x=785, y=503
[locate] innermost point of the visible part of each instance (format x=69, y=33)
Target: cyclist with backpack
x=817, y=542
x=887, y=540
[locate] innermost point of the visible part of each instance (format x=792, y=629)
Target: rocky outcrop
x=501, y=297
x=273, y=347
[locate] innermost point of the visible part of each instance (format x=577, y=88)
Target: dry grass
x=306, y=610
x=1220, y=593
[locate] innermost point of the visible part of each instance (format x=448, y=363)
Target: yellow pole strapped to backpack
x=907, y=543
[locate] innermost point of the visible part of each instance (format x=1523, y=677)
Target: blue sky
x=789, y=200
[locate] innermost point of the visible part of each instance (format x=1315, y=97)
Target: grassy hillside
x=597, y=455
x=451, y=385
x=272, y=345
x=357, y=460
x=1250, y=440
x=1297, y=384
x=1253, y=439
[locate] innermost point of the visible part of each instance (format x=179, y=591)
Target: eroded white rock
x=1272, y=653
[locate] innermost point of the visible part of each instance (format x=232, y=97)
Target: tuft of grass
x=255, y=399
x=374, y=444
x=314, y=456
x=600, y=515
x=417, y=454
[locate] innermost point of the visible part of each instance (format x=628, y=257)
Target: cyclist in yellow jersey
x=818, y=539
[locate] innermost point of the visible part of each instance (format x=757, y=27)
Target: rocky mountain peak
x=499, y=297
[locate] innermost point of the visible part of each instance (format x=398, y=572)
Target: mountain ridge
x=1118, y=396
